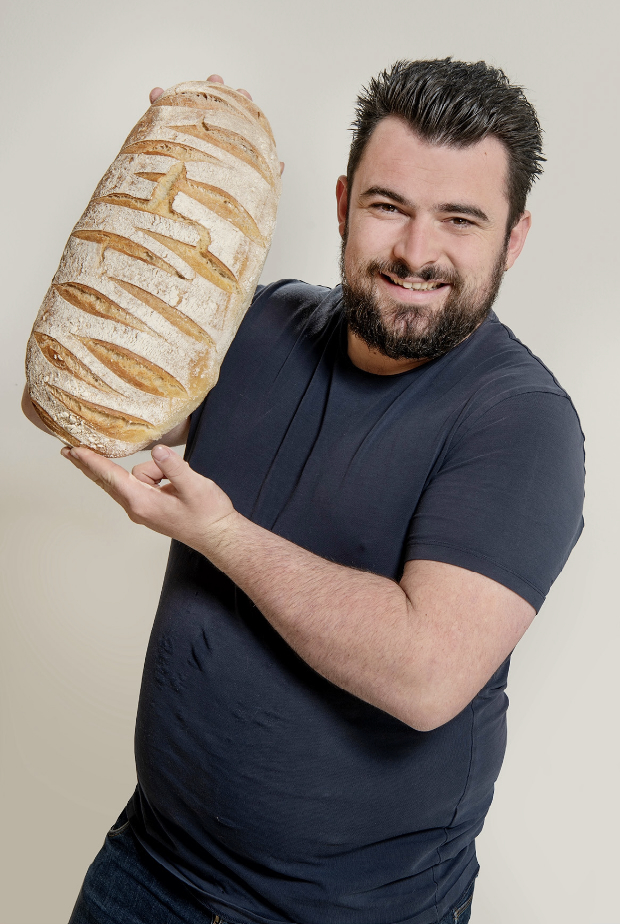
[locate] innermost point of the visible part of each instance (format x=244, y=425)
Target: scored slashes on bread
x=158, y=272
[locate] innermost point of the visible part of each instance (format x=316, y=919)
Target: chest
x=328, y=457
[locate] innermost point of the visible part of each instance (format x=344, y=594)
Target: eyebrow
x=462, y=209
x=459, y=208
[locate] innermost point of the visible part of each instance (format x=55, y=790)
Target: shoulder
x=505, y=495
x=292, y=303
x=506, y=379
x=293, y=292
x=280, y=316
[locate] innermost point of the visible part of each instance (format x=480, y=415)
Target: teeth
x=418, y=286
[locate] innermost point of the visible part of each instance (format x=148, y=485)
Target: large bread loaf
x=157, y=273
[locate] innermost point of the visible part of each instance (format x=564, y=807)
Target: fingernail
x=160, y=452
x=65, y=452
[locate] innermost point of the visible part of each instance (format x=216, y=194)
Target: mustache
x=399, y=268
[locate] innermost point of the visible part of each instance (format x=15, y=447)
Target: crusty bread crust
x=158, y=272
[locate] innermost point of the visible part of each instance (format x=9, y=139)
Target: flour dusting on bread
x=158, y=272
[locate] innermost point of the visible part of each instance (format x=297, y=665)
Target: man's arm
x=420, y=650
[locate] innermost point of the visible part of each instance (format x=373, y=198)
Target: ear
x=517, y=238
x=342, y=202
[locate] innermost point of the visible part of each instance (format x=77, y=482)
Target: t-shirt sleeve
x=506, y=500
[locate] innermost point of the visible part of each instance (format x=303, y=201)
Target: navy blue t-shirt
x=276, y=795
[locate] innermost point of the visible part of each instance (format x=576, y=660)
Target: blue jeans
x=124, y=885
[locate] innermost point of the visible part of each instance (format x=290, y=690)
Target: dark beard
x=401, y=336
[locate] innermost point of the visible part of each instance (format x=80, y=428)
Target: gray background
x=80, y=583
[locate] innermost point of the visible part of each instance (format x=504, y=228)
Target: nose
x=418, y=243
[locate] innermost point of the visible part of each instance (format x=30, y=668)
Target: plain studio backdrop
x=80, y=583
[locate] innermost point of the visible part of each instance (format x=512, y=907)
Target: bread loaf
x=158, y=272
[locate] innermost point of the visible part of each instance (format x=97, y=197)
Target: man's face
x=425, y=245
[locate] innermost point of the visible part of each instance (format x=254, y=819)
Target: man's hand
x=188, y=507
x=156, y=92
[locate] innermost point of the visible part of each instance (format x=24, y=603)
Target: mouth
x=414, y=285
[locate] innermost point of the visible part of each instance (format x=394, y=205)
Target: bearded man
x=376, y=498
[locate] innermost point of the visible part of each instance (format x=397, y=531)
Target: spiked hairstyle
x=457, y=104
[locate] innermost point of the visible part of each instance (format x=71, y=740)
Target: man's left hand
x=188, y=507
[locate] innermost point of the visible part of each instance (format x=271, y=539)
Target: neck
x=377, y=363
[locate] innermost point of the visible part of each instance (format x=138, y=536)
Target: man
x=383, y=486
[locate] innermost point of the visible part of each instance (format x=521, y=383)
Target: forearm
x=353, y=627
x=420, y=650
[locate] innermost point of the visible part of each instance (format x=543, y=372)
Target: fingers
x=174, y=468
x=151, y=472
x=148, y=473
x=188, y=507
x=215, y=78
x=141, y=499
x=156, y=92
x=107, y=474
x=281, y=167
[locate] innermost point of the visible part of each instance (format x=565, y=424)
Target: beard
x=411, y=331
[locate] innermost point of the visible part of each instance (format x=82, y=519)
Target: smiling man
x=376, y=498
x=410, y=231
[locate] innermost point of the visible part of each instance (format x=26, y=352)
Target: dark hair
x=455, y=103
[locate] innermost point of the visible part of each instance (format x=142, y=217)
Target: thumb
x=173, y=467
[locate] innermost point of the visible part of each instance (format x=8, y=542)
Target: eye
x=460, y=222
x=385, y=207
